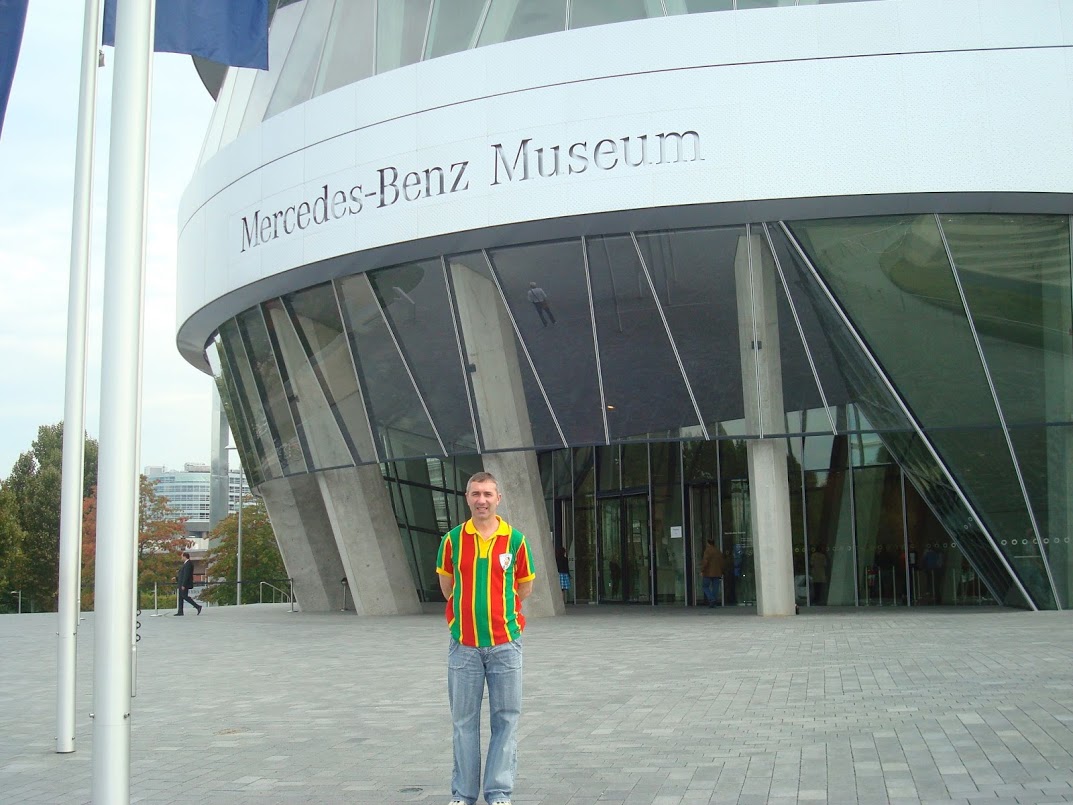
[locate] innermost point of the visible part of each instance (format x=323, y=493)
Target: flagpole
x=121, y=358
x=74, y=409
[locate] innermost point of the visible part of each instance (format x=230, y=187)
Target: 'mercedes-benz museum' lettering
x=510, y=164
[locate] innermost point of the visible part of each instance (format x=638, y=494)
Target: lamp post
x=238, y=563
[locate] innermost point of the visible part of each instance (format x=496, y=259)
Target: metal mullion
x=807, y=542
x=348, y=330
x=905, y=540
x=853, y=524
x=284, y=376
x=909, y=417
x=462, y=361
x=651, y=536
x=405, y=363
x=998, y=410
x=324, y=46
x=428, y=28
x=569, y=13
x=525, y=350
x=322, y=381
x=800, y=329
x=479, y=28
x=595, y=337
x=670, y=337
x=752, y=316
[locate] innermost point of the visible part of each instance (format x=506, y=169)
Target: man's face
x=483, y=497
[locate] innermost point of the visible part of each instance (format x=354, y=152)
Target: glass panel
x=747, y=4
x=891, y=270
x=296, y=77
x=638, y=563
x=453, y=26
x=611, y=573
x=1015, y=271
x=739, y=579
x=399, y=420
x=693, y=272
x=414, y=299
x=511, y=410
x=270, y=387
x=608, y=467
x=586, y=568
x=348, y=47
x=317, y=428
x=643, y=387
x=545, y=288
x=828, y=508
x=316, y=319
x=635, y=466
x=668, y=528
x=701, y=6
x=584, y=13
x=877, y=499
x=1043, y=454
x=236, y=418
x=519, y=19
x=245, y=391
x=284, y=26
x=979, y=460
x=400, y=32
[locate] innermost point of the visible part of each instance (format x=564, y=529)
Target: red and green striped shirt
x=485, y=609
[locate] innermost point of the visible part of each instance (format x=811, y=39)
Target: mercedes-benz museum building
x=792, y=277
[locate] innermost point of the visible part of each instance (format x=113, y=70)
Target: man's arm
x=447, y=585
x=524, y=588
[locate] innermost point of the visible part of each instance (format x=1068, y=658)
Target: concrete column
x=306, y=541
x=769, y=490
x=504, y=424
x=368, y=541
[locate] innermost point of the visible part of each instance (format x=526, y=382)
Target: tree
x=11, y=557
x=161, y=541
x=34, y=486
x=261, y=560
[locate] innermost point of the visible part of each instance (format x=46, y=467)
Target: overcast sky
x=36, y=190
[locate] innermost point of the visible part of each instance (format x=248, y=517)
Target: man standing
x=711, y=571
x=536, y=295
x=485, y=573
x=185, y=580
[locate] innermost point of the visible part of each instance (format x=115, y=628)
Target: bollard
x=345, y=585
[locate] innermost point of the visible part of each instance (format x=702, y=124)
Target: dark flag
x=12, y=21
x=233, y=32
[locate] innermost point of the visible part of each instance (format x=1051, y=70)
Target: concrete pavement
x=636, y=706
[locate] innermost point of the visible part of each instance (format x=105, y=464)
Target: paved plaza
x=638, y=706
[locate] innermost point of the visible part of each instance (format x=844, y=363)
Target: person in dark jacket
x=711, y=572
x=185, y=579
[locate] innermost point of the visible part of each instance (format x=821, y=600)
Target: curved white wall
x=868, y=101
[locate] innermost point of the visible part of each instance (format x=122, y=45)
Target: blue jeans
x=711, y=589
x=467, y=671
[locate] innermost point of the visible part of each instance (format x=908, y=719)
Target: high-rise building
x=188, y=493
x=791, y=276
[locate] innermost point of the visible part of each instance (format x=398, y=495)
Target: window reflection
x=453, y=26
x=400, y=33
x=519, y=19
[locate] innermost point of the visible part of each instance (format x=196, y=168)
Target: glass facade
x=917, y=367
x=322, y=45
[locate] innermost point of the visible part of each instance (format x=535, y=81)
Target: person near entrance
x=539, y=298
x=485, y=573
x=562, y=565
x=711, y=572
x=185, y=579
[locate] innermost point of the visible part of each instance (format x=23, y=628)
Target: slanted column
x=504, y=423
x=368, y=541
x=306, y=542
x=769, y=490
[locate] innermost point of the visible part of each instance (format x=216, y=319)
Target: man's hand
x=447, y=585
x=524, y=589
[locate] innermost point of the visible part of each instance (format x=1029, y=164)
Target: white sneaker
x=457, y=801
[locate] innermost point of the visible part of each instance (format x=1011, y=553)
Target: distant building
x=188, y=493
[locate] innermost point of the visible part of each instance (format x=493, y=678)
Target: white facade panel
x=864, y=99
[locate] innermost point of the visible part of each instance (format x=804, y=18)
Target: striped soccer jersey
x=484, y=609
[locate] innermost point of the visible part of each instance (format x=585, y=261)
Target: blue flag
x=231, y=32
x=12, y=21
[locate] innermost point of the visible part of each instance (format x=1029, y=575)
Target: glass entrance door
x=624, y=550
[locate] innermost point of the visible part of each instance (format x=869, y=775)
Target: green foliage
x=29, y=547
x=261, y=560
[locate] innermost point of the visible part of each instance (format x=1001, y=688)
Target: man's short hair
x=186, y=554
x=480, y=477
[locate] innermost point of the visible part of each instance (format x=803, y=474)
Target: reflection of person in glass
x=536, y=295
x=817, y=568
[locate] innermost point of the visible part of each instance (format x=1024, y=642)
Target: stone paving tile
x=623, y=706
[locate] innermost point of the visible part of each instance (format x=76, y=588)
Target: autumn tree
x=161, y=541
x=261, y=560
x=33, y=490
